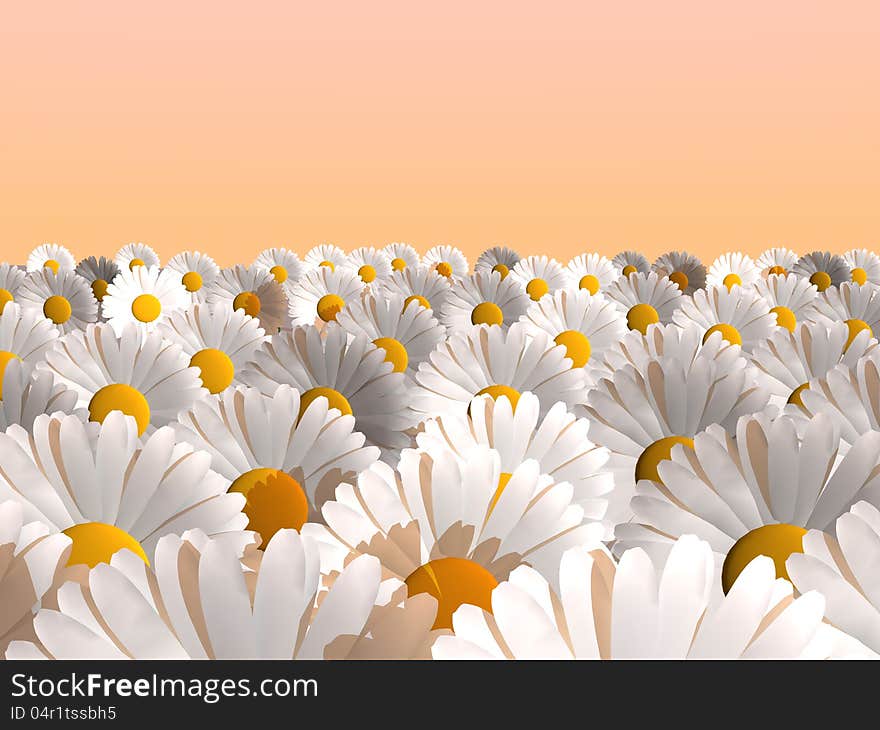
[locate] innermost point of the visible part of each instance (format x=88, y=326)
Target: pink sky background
x=552, y=127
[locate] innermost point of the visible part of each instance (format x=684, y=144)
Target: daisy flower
x=253, y=290
x=136, y=254
x=216, y=340
x=423, y=285
x=791, y=298
x=584, y=324
x=352, y=373
x=823, y=269
x=498, y=258
x=864, y=266
x=99, y=272
x=283, y=264
x=630, y=262
x=558, y=442
x=32, y=563
x=447, y=261
x=408, y=334
x=858, y=305
x=641, y=413
x=844, y=569
x=142, y=375
x=757, y=494
x=199, y=602
x=540, y=275
x=592, y=272
x=598, y=609
x=779, y=261
x=788, y=361
x=11, y=278
x=645, y=299
x=449, y=527
x=107, y=489
x=51, y=256
x=28, y=394
x=683, y=269
x=483, y=298
x=143, y=296
x=369, y=264
x=402, y=256
x=738, y=315
x=326, y=255
x=321, y=294
x=488, y=360
x=286, y=456
x=196, y=271
x=24, y=335
x=733, y=269
x=64, y=298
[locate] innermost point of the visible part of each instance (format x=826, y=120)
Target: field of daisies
x=382, y=454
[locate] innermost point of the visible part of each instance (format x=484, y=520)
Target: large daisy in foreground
x=683, y=269
x=739, y=316
x=422, y=285
x=791, y=298
x=598, y=609
x=133, y=255
x=142, y=375
x=645, y=299
x=487, y=360
x=24, y=335
x=284, y=455
x=64, y=298
x=106, y=489
x=483, y=298
x=449, y=527
x=196, y=272
x=51, y=256
x=254, y=291
x=143, y=296
x=320, y=295
x=540, y=275
x=822, y=268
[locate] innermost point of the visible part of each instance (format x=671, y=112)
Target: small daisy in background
x=499, y=259
x=99, y=272
x=791, y=298
x=28, y=393
x=370, y=264
x=26, y=335
x=447, y=261
x=423, y=285
x=630, y=262
x=254, y=291
x=733, y=269
x=864, y=266
x=51, y=256
x=822, y=268
x=324, y=255
x=196, y=271
x=483, y=298
x=645, y=299
x=591, y=272
x=685, y=270
x=402, y=256
x=778, y=260
x=541, y=275
x=320, y=295
x=133, y=255
x=143, y=296
x=739, y=316
x=64, y=298
x=282, y=263
x=11, y=278
x=857, y=305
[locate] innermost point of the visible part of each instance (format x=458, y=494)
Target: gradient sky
x=552, y=127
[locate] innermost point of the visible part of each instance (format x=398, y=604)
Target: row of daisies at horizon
x=382, y=454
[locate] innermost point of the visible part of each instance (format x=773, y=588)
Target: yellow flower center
x=859, y=275
x=629, y=269
x=501, y=269
x=785, y=318
x=334, y=398
x=774, y=541
x=821, y=279
x=416, y=298
x=216, y=368
x=795, y=397
x=577, y=347
x=496, y=391
x=487, y=313
x=99, y=289
x=660, y=450
x=146, y=308
x=52, y=265
x=590, y=283
x=395, y=353
x=452, y=581
x=135, y=262
x=855, y=326
x=778, y=270
x=274, y=501
x=536, y=289
x=279, y=273
x=367, y=273
x=679, y=278
x=641, y=316
x=249, y=302
x=5, y=296
x=444, y=268
x=329, y=306
x=328, y=264
x=95, y=542
x=5, y=358
x=732, y=280
x=57, y=308
x=728, y=333
x=192, y=281
x=398, y=264
x=120, y=397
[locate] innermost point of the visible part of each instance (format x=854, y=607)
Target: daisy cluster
x=382, y=454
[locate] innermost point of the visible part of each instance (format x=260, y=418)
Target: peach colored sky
x=553, y=127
